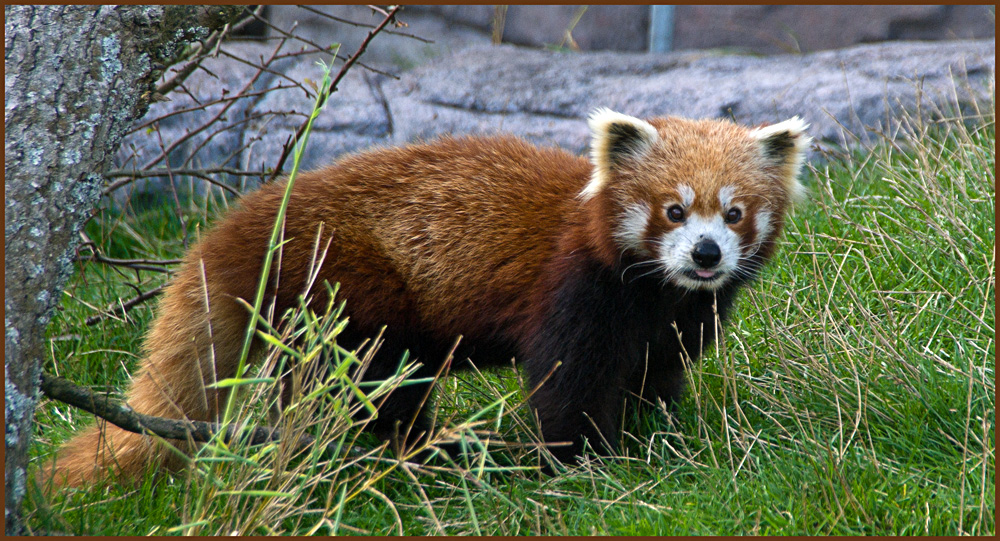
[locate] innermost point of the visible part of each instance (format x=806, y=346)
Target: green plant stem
x=272, y=246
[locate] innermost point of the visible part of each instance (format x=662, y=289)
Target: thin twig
x=173, y=191
x=123, y=307
x=365, y=25
x=266, y=68
x=376, y=88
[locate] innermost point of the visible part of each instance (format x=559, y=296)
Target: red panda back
x=451, y=233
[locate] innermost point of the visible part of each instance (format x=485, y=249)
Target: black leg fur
x=616, y=339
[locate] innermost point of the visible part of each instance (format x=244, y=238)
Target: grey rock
x=758, y=29
x=546, y=96
x=592, y=28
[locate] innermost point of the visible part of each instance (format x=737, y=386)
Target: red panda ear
x=615, y=138
x=783, y=146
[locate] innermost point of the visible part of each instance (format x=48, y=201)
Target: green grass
x=853, y=392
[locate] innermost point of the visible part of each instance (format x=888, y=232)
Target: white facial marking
x=726, y=194
x=762, y=222
x=632, y=227
x=678, y=245
x=687, y=195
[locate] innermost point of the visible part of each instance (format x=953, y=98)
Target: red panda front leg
x=573, y=408
x=594, y=328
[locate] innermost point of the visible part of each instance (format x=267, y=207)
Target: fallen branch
x=126, y=418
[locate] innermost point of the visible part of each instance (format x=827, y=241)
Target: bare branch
x=325, y=95
x=266, y=69
x=128, y=177
x=139, y=264
x=215, y=117
x=201, y=51
x=320, y=48
x=153, y=173
x=202, y=106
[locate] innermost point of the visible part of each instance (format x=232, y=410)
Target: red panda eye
x=676, y=213
x=733, y=215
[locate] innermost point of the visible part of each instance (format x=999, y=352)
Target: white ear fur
x=614, y=136
x=785, y=143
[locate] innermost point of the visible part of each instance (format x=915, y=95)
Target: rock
x=546, y=96
x=594, y=28
x=757, y=29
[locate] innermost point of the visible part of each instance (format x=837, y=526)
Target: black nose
x=706, y=254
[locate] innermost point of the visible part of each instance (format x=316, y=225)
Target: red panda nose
x=706, y=254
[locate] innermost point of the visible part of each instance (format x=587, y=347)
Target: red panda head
x=703, y=199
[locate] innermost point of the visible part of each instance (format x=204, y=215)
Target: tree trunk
x=76, y=78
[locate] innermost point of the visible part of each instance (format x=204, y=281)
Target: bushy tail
x=192, y=343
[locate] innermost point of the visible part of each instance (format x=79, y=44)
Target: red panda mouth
x=702, y=275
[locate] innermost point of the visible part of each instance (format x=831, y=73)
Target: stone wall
x=759, y=29
x=779, y=29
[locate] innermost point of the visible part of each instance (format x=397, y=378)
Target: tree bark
x=76, y=78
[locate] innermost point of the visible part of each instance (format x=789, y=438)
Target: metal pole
x=661, y=29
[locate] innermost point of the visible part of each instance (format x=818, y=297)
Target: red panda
x=614, y=267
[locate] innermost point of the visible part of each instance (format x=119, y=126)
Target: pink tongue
x=705, y=273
